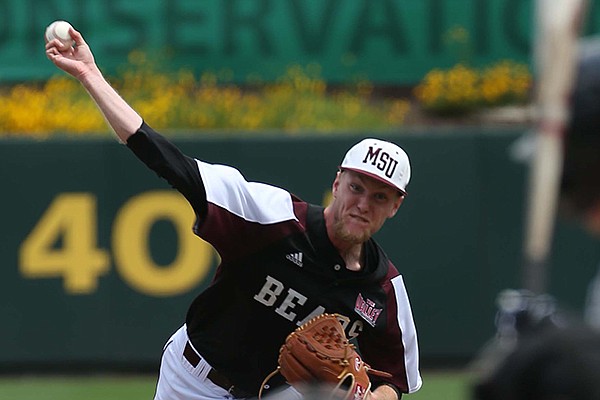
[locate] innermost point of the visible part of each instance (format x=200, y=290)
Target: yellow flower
x=462, y=88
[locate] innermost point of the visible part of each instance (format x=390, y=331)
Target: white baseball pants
x=180, y=380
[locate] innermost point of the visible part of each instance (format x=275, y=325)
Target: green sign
x=385, y=41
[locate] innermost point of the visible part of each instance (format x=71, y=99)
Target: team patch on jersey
x=296, y=258
x=367, y=310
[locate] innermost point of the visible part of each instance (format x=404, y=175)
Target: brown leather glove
x=318, y=353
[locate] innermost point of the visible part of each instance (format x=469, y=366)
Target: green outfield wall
x=98, y=262
x=249, y=40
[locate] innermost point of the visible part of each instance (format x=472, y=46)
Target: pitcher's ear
x=397, y=204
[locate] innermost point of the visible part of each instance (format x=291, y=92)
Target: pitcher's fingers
x=51, y=52
x=77, y=37
x=53, y=43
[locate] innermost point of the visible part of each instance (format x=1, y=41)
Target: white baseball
x=60, y=30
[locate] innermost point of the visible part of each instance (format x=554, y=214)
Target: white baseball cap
x=380, y=160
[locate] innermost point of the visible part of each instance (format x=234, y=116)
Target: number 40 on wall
x=71, y=221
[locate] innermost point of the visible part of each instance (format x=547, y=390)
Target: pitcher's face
x=361, y=205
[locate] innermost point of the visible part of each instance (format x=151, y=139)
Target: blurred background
x=98, y=261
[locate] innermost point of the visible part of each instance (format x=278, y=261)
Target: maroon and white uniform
x=278, y=270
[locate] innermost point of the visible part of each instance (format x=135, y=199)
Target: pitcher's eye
x=355, y=188
x=381, y=197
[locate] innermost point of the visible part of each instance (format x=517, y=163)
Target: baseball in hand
x=60, y=30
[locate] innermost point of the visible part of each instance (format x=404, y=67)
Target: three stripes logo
x=296, y=258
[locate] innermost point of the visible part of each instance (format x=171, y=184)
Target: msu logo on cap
x=381, y=160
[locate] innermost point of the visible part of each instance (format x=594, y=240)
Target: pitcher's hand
x=77, y=61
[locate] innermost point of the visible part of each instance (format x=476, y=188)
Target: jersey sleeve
x=242, y=216
x=232, y=214
x=164, y=158
x=396, y=349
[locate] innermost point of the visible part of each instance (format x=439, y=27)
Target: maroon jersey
x=278, y=270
